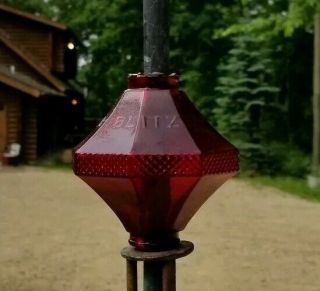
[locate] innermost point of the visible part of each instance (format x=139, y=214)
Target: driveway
x=56, y=234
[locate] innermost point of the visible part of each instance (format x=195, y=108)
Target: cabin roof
x=25, y=84
x=29, y=59
x=51, y=84
x=32, y=17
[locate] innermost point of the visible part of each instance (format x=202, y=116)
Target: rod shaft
x=169, y=276
x=159, y=267
x=156, y=36
x=152, y=277
x=132, y=279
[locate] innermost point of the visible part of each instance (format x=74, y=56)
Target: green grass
x=58, y=166
x=53, y=165
x=53, y=161
x=298, y=187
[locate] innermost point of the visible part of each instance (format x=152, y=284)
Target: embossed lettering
x=173, y=123
x=144, y=121
x=156, y=121
x=119, y=122
x=130, y=123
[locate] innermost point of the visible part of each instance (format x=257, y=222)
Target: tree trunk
x=314, y=178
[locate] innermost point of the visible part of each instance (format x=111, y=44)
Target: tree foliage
x=245, y=97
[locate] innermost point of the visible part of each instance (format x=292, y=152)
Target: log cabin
x=41, y=108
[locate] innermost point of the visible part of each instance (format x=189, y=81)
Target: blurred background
x=251, y=67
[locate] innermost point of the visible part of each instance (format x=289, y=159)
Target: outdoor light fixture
x=74, y=102
x=154, y=159
x=70, y=45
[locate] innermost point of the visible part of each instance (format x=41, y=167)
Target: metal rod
x=169, y=276
x=152, y=277
x=156, y=36
x=159, y=267
x=132, y=279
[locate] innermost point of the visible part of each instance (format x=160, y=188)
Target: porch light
x=74, y=102
x=70, y=45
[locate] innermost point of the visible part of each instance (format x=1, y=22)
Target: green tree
x=246, y=94
x=285, y=26
x=314, y=179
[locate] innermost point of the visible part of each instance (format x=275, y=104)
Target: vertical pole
x=156, y=36
x=160, y=276
x=159, y=267
x=316, y=98
x=169, y=276
x=132, y=279
x=152, y=277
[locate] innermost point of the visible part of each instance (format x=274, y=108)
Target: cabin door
x=3, y=127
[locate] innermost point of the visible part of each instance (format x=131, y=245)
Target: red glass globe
x=155, y=160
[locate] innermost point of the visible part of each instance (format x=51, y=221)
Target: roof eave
x=36, y=18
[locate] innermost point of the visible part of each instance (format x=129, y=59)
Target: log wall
x=13, y=115
x=8, y=59
x=21, y=123
x=45, y=43
x=30, y=132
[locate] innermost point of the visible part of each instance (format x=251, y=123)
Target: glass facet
x=155, y=160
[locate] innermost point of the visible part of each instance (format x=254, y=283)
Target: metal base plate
x=184, y=249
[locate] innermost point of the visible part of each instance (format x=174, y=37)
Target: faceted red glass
x=155, y=160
